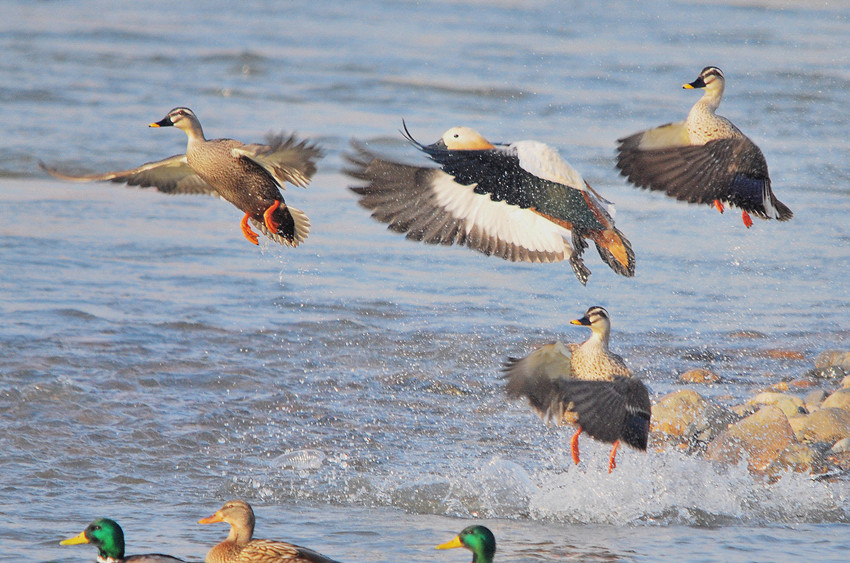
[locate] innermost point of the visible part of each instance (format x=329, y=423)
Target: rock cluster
x=775, y=431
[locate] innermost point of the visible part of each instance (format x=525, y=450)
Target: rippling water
x=155, y=364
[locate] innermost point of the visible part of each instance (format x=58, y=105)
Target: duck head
x=106, y=535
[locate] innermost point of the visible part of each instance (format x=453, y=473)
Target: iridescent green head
x=477, y=539
x=105, y=534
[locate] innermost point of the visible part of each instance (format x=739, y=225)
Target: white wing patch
x=512, y=224
x=544, y=162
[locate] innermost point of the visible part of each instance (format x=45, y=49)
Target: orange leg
x=612, y=459
x=747, y=220
x=246, y=230
x=718, y=205
x=271, y=224
x=574, y=445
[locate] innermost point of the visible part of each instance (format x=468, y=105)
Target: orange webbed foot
x=574, y=445
x=748, y=221
x=271, y=224
x=718, y=205
x=246, y=230
x=612, y=459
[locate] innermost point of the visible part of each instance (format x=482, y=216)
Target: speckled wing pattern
x=269, y=551
x=430, y=206
x=498, y=173
x=607, y=410
x=171, y=175
x=731, y=170
x=284, y=157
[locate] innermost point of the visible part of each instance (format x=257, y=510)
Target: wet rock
x=759, y=438
x=845, y=383
x=829, y=372
x=813, y=399
x=780, y=387
x=779, y=354
x=825, y=425
x=800, y=458
x=699, y=375
x=790, y=405
x=838, y=400
x=829, y=358
x=797, y=423
x=842, y=446
x=673, y=413
x=745, y=410
x=802, y=384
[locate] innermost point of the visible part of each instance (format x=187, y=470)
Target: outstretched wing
x=284, y=157
x=731, y=170
x=499, y=174
x=171, y=176
x=533, y=377
x=430, y=205
x=608, y=410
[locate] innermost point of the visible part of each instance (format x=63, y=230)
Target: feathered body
x=519, y=201
x=584, y=384
x=108, y=537
x=248, y=176
x=704, y=159
x=240, y=547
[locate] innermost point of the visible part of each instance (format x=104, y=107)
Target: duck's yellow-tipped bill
x=687, y=86
x=450, y=544
x=80, y=538
x=154, y=124
x=211, y=519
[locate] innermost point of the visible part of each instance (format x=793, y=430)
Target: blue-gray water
x=153, y=363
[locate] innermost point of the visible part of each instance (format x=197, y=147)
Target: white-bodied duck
x=248, y=176
x=519, y=201
x=704, y=159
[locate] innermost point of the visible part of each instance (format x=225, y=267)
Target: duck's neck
x=598, y=340
x=710, y=100
x=194, y=132
x=240, y=535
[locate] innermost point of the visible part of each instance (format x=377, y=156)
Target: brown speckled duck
x=248, y=176
x=704, y=159
x=239, y=547
x=584, y=384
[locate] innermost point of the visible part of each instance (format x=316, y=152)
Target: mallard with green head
x=477, y=539
x=108, y=537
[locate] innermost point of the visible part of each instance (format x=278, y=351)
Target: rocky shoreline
x=801, y=425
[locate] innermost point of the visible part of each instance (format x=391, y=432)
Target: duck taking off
x=518, y=201
x=248, y=176
x=584, y=384
x=704, y=159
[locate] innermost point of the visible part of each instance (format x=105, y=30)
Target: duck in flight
x=704, y=159
x=519, y=201
x=248, y=176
